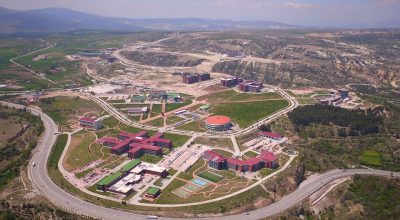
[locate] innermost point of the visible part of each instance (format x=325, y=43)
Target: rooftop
x=109, y=179
x=218, y=120
x=153, y=191
x=132, y=164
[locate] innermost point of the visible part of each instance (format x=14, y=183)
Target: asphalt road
x=41, y=181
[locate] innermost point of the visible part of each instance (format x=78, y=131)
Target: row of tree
x=364, y=121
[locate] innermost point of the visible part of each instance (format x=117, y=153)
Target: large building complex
x=190, y=78
x=136, y=144
x=90, y=123
x=250, y=86
x=131, y=173
x=265, y=160
x=218, y=123
x=231, y=82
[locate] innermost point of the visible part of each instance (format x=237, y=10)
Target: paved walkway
x=235, y=145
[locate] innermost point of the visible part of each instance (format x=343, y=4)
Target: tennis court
x=191, y=187
x=199, y=182
x=182, y=193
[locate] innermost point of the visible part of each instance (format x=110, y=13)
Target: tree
x=265, y=128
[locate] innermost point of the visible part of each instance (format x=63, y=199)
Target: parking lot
x=183, y=158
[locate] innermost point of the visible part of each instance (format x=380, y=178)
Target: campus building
x=215, y=160
x=137, y=150
x=131, y=173
x=190, y=78
x=136, y=144
x=271, y=135
x=218, y=123
x=90, y=123
x=138, y=110
x=265, y=160
x=250, y=86
x=344, y=93
x=152, y=193
x=231, y=82
x=148, y=168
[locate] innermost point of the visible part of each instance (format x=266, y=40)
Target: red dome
x=218, y=120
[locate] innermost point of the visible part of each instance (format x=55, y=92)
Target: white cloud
x=296, y=5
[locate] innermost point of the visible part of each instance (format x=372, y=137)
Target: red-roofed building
x=269, y=159
x=217, y=161
x=137, y=144
x=137, y=150
x=271, y=135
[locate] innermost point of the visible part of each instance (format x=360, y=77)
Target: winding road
x=41, y=181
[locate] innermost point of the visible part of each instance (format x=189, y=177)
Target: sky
x=317, y=13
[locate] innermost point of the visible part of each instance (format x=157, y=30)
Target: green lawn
x=110, y=122
x=78, y=155
x=371, y=158
x=172, y=106
x=150, y=158
x=266, y=171
x=247, y=113
x=177, y=140
x=189, y=174
x=252, y=96
x=83, y=173
x=57, y=150
x=223, y=153
x=192, y=126
x=210, y=176
x=251, y=154
x=159, y=122
x=167, y=194
x=218, y=97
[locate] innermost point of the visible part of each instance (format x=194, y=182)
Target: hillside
x=62, y=20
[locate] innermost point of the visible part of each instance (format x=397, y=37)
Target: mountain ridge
x=63, y=20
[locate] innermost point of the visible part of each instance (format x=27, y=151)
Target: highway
x=41, y=181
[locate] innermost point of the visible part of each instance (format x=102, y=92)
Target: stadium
x=218, y=123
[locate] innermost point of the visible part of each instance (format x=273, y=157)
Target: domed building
x=218, y=123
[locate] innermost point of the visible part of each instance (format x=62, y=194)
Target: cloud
x=296, y=5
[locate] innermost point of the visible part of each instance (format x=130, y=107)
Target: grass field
x=78, y=154
x=223, y=153
x=189, y=174
x=177, y=140
x=57, y=150
x=371, y=158
x=63, y=108
x=215, y=142
x=110, y=122
x=218, y=97
x=192, y=126
x=252, y=97
x=150, y=158
x=246, y=113
x=250, y=154
x=210, y=176
x=159, y=122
